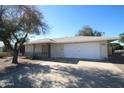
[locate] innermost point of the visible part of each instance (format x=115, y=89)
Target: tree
x=88, y=31
x=17, y=23
x=121, y=37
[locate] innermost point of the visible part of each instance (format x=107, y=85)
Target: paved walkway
x=36, y=73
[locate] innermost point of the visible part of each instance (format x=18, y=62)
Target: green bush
x=5, y=54
x=115, y=46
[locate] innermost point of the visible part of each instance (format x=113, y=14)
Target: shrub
x=115, y=46
x=5, y=54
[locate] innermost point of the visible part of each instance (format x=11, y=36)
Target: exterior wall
x=1, y=49
x=1, y=46
x=110, y=51
x=104, y=50
x=36, y=51
x=82, y=50
x=29, y=50
x=44, y=53
x=57, y=50
x=90, y=50
x=38, y=48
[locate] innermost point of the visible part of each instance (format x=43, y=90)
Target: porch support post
x=49, y=50
x=33, y=50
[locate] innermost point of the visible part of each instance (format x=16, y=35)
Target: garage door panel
x=82, y=50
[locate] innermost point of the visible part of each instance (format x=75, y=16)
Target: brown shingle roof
x=73, y=39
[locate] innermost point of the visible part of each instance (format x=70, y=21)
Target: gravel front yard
x=45, y=74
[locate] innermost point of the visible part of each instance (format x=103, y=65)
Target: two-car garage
x=78, y=50
x=82, y=50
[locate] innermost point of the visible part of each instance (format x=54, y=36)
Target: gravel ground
x=50, y=74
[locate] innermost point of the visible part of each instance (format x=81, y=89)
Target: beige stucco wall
x=29, y=50
x=104, y=50
x=42, y=51
x=61, y=50
x=1, y=49
x=37, y=50
x=1, y=46
x=57, y=50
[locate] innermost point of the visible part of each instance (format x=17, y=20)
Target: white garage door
x=82, y=50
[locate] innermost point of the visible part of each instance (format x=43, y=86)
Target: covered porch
x=38, y=51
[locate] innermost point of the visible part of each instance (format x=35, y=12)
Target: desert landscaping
x=58, y=73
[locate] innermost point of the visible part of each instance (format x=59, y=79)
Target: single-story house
x=84, y=47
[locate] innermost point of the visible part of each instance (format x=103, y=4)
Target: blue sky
x=67, y=20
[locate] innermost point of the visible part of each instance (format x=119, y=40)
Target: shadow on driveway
x=28, y=75
x=68, y=60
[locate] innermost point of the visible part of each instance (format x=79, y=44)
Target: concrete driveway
x=100, y=65
x=37, y=73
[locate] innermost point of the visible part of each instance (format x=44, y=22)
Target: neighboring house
x=85, y=47
x=1, y=46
